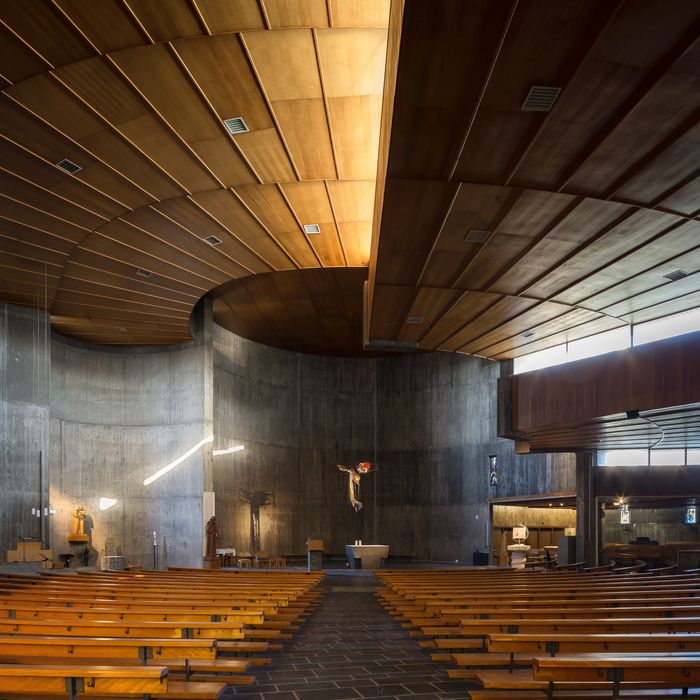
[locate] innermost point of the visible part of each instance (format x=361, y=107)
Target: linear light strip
x=179, y=460
x=235, y=448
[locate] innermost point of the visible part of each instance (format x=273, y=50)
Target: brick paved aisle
x=351, y=648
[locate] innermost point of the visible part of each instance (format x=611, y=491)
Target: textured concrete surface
x=24, y=418
x=117, y=417
x=427, y=420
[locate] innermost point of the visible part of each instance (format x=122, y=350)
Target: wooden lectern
x=314, y=549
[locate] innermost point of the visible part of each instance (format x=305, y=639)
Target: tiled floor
x=351, y=648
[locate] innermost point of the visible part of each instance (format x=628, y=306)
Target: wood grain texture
x=135, y=93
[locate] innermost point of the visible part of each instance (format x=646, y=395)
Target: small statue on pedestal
x=211, y=561
x=78, y=526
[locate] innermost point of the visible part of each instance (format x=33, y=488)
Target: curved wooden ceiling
x=586, y=207
x=135, y=93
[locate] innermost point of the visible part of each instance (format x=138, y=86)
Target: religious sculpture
x=212, y=538
x=355, y=474
x=78, y=526
x=256, y=500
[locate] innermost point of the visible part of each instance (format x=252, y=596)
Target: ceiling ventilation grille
x=212, y=240
x=68, y=166
x=528, y=334
x=540, y=98
x=414, y=320
x=476, y=236
x=676, y=275
x=143, y=273
x=236, y=125
x=121, y=329
x=312, y=228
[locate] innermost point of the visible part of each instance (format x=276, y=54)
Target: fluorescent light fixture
x=235, y=448
x=107, y=503
x=179, y=460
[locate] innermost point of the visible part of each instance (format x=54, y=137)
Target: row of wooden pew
x=177, y=634
x=541, y=635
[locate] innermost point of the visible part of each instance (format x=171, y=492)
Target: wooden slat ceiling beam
x=135, y=92
x=584, y=208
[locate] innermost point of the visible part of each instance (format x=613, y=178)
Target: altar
x=366, y=556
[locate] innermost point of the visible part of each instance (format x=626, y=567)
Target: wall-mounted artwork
x=355, y=475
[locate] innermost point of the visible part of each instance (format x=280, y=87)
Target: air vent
x=212, y=240
x=476, y=236
x=540, y=98
x=312, y=228
x=143, y=273
x=528, y=334
x=121, y=329
x=236, y=125
x=414, y=320
x=676, y=275
x=68, y=166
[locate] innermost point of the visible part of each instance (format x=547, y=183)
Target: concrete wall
x=24, y=418
x=117, y=417
x=428, y=421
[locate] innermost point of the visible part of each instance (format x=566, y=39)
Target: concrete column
x=586, y=510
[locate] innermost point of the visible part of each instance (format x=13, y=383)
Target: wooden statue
x=78, y=526
x=355, y=474
x=212, y=538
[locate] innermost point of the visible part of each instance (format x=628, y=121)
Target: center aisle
x=350, y=648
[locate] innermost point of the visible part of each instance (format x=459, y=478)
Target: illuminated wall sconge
x=179, y=460
x=228, y=451
x=107, y=503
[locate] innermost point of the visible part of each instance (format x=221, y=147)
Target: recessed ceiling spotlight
x=212, y=240
x=311, y=229
x=68, y=166
x=414, y=320
x=236, y=125
x=121, y=329
x=143, y=273
x=540, y=98
x=477, y=236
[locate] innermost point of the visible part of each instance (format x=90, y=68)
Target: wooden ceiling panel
x=440, y=88
x=667, y=246
x=227, y=209
x=223, y=16
x=359, y=13
x=75, y=272
x=652, y=303
x=672, y=166
x=356, y=240
x=11, y=210
x=17, y=59
x=296, y=13
x=546, y=318
x=672, y=306
x=338, y=52
x=42, y=26
x=560, y=243
x=636, y=230
x=518, y=346
x=286, y=64
x=107, y=24
x=94, y=263
x=428, y=305
x=674, y=100
x=354, y=123
x=305, y=128
x=475, y=207
x=490, y=319
x=20, y=190
x=164, y=20
x=684, y=200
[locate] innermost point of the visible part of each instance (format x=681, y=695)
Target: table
x=366, y=556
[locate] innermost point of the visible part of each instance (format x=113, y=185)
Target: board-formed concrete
x=427, y=421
